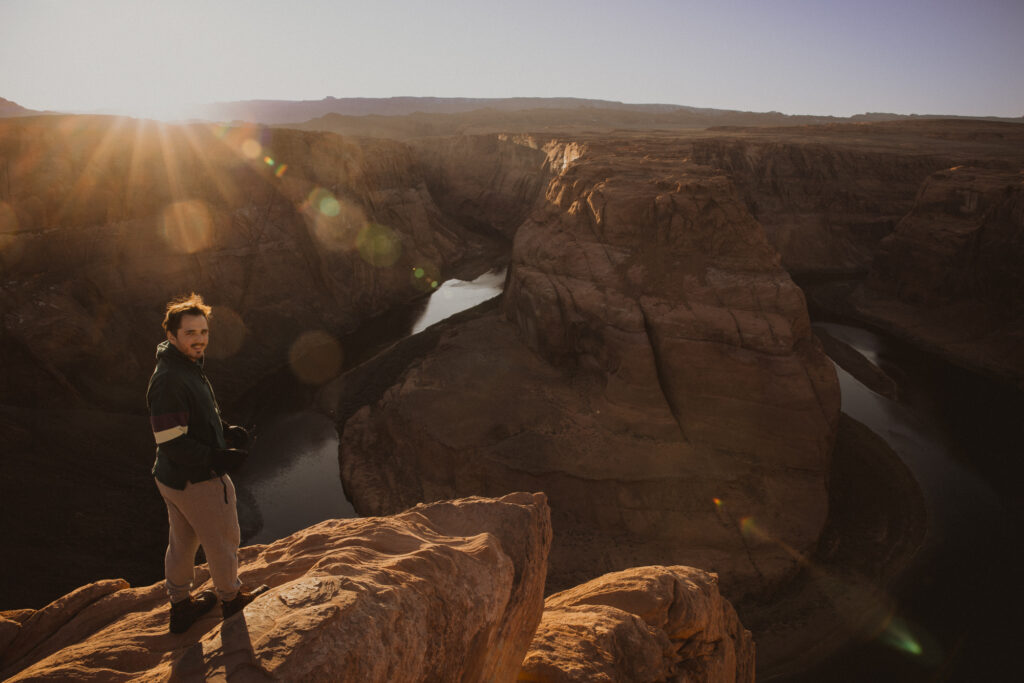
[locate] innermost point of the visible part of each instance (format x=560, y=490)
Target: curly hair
x=189, y=305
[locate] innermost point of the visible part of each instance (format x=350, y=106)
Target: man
x=192, y=460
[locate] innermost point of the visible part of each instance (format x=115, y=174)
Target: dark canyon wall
x=950, y=276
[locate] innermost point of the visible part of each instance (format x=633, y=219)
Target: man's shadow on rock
x=235, y=653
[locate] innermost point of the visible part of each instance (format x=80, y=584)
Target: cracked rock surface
x=641, y=624
x=444, y=592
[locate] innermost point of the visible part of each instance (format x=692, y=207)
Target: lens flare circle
x=188, y=226
x=315, y=357
x=8, y=219
x=378, y=245
x=11, y=249
x=322, y=201
x=425, y=276
x=251, y=148
x=227, y=332
x=330, y=207
x=335, y=222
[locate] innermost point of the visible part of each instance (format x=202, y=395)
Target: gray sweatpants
x=200, y=515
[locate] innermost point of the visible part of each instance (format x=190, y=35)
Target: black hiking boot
x=244, y=597
x=187, y=612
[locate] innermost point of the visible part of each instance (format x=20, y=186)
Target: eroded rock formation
x=444, y=592
x=641, y=624
x=824, y=203
x=949, y=277
x=654, y=373
x=929, y=207
x=489, y=182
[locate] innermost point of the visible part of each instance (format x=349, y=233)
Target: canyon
x=650, y=367
x=642, y=310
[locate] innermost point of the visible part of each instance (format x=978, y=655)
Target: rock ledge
x=448, y=591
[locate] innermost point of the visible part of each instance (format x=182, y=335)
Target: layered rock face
x=654, y=372
x=949, y=277
x=827, y=195
x=445, y=592
x=642, y=624
x=489, y=182
x=824, y=203
x=846, y=199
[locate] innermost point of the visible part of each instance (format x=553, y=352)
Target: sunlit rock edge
x=445, y=591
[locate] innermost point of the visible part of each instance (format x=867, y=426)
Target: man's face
x=192, y=337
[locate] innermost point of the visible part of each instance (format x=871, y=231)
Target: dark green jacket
x=185, y=418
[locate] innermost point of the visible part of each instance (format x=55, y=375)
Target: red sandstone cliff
x=654, y=372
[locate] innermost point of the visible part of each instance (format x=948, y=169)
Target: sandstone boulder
x=642, y=624
x=449, y=591
x=653, y=371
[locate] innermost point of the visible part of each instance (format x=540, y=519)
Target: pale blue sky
x=794, y=56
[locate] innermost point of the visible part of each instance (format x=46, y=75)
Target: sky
x=826, y=57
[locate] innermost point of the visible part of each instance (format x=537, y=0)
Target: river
x=955, y=609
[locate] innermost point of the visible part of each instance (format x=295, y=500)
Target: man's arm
x=169, y=418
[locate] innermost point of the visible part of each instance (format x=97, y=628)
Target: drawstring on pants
x=225, y=489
